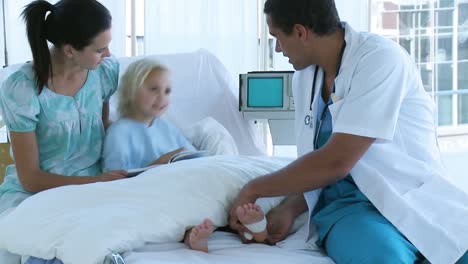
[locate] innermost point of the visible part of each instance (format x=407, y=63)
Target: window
x=435, y=34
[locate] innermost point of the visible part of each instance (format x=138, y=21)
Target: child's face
x=152, y=99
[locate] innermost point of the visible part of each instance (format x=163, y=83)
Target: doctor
x=369, y=169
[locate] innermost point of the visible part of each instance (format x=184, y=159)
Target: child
x=141, y=138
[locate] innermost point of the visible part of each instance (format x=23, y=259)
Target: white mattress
x=226, y=248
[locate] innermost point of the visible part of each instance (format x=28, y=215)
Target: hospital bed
x=202, y=87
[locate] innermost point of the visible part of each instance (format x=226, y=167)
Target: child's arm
x=164, y=159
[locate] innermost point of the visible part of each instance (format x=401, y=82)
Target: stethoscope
x=308, y=117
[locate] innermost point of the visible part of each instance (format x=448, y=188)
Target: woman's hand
x=113, y=175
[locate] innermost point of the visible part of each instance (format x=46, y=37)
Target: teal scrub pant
x=464, y=259
x=368, y=237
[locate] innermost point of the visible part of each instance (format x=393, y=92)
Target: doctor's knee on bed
x=361, y=239
x=464, y=259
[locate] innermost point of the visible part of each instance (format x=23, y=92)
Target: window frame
x=434, y=34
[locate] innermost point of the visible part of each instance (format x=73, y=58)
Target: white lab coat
x=379, y=94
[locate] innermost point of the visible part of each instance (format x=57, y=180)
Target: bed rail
x=114, y=258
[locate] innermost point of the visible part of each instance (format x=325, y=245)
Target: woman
x=56, y=108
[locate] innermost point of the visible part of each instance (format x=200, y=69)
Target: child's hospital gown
x=69, y=129
x=132, y=144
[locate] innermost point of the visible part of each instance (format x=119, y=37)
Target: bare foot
x=197, y=237
x=251, y=214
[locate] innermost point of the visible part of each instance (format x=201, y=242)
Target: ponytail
x=74, y=22
x=34, y=16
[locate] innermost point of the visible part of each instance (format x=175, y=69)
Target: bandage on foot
x=255, y=228
x=253, y=218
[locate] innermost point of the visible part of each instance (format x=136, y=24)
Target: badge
x=307, y=120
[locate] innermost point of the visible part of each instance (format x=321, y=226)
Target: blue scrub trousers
x=368, y=237
x=464, y=259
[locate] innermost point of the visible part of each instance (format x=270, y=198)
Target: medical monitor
x=268, y=96
x=265, y=91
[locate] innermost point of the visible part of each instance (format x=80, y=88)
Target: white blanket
x=82, y=224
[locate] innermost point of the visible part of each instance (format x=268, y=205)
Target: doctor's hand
x=245, y=196
x=280, y=221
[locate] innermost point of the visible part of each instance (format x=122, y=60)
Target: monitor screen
x=265, y=92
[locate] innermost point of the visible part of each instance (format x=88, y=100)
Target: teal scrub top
x=69, y=129
x=340, y=198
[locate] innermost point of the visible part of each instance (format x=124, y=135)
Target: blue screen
x=265, y=92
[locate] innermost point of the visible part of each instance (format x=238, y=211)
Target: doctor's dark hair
x=74, y=22
x=320, y=16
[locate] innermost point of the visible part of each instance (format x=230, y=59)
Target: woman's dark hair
x=74, y=22
x=320, y=16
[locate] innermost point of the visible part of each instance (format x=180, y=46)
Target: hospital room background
x=434, y=33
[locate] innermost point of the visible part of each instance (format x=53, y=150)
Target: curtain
x=226, y=28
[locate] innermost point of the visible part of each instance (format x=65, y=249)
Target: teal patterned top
x=69, y=129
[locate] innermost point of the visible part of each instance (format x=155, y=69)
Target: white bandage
x=256, y=227
x=248, y=236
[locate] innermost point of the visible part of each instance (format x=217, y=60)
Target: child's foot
x=197, y=237
x=252, y=217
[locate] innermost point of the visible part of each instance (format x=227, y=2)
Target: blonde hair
x=132, y=81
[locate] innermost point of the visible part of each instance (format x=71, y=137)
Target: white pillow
x=83, y=223
x=208, y=134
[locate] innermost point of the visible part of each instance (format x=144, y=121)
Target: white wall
x=17, y=42
x=2, y=54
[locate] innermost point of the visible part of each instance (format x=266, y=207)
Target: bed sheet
x=226, y=248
